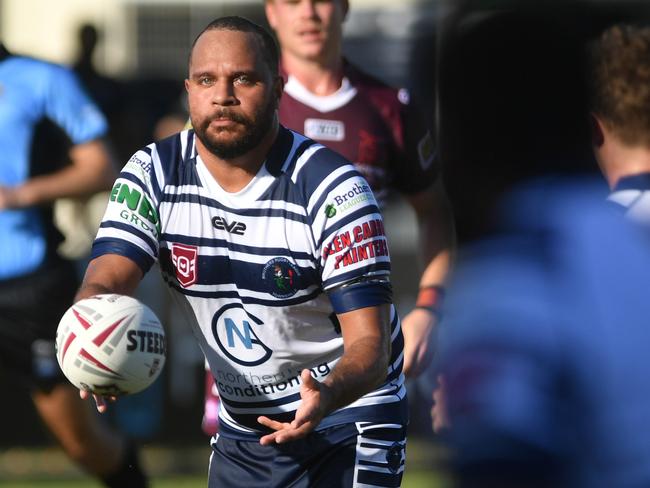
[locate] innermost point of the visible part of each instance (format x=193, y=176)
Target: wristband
x=430, y=298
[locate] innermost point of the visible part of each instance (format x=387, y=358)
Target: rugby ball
x=110, y=345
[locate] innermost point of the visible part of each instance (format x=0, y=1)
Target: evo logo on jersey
x=325, y=130
x=232, y=328
x=234, y=227
x=184, y=259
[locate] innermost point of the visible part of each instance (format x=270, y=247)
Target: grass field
x=415, y=479
x=178, y=468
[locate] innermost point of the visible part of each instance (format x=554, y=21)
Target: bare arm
x=436, y=249
x=366, y=339
x=91, y=171
x=109, y=273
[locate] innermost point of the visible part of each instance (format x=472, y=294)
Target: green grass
x=179, y=467
x=412, y=479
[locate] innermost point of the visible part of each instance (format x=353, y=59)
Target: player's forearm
x=436, y=244
x=361, y=369
x=91, y=171
x=109, y=274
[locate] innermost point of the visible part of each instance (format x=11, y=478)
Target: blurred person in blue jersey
x=36, y=284
x=383, y=132
x=287, y=293
x=543, y=347
x=620, y=109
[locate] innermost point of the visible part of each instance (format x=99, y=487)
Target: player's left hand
x=417, y=327
x=100, y=402
x=315, y=398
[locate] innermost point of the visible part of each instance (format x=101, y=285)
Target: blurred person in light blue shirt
x=36, y=284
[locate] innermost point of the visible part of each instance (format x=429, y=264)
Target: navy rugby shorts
x=30, y=309
x=350, y=455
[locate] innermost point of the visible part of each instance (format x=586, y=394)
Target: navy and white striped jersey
x=261, y=273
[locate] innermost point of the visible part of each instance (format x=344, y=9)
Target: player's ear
x=345, y=8
x=597, y=132
x=269, y=9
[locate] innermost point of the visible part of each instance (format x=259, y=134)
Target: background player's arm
x=436, y=244
x=362, y=367
x=91, y=171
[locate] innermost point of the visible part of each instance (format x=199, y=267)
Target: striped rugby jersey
x=261, y=274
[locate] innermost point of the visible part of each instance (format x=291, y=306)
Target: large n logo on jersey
x=233, y=329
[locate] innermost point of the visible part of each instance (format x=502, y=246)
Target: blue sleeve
x=67, y=105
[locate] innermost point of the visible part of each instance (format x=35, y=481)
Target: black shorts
x=351, y=455
x=30, y=309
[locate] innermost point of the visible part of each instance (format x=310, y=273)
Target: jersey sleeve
x=131, y=223
x=417, y=165
x=66, y=103
x=349, y=230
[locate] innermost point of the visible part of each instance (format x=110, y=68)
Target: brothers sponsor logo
x=325, y=130
x=234, y=227
x=330, y=210
x=233, y=329
x=357, y=195
x=141, y=211
x=184, y=259
x=281, y=277
x=136, y=161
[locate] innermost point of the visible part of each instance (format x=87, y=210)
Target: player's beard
x=255, y=128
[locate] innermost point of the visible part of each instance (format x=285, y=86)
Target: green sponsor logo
x=137, y=202
x=330, y=210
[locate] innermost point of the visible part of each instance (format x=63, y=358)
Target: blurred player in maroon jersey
x=374, y=126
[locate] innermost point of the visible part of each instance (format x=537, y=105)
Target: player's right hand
x=101, y=402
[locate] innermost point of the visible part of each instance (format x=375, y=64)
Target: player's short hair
x=267, y=44
x=620, y=82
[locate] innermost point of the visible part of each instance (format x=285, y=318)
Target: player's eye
x=244, y=80
x=205, y=80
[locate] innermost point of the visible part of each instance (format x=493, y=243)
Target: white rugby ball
x=110, y=345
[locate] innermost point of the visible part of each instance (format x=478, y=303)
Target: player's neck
x=618, y=160
x=320, y=77
x=234, y=174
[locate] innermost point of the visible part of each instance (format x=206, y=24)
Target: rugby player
x=377, y=128
x=288, y=295
x=620, y=115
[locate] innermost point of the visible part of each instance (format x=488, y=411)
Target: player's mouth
x=310, y=34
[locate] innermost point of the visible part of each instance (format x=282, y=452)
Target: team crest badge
x=184, y=259
x=281, y=277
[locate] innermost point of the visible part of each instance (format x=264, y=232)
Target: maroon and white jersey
x=369, y=123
